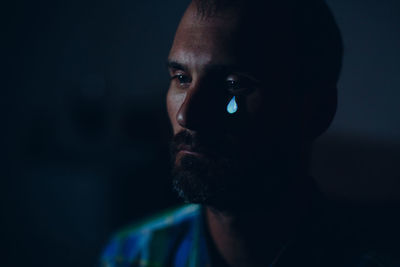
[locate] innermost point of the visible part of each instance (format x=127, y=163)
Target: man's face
x=215, y=152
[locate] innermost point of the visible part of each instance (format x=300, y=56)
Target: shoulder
x=151, y=241
x=367, y=259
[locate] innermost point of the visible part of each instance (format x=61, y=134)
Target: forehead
x=253, y=44
x=201, y=41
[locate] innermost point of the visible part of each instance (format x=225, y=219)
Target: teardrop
x=232, y=106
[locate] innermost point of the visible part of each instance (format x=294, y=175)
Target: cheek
x=174, y=102
x=254, y=102
x=269, y=106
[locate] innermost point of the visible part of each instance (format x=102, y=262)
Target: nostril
x=182, y=114
x=180, y=118
x=186, y=115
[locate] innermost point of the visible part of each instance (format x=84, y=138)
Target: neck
x=256, y=235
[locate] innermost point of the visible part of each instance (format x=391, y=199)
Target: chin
x=196, y=178
x=224, y=184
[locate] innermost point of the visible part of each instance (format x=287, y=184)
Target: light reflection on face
x=217, y=141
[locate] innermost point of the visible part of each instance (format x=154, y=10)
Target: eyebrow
x=210, y=67
x=171, y=64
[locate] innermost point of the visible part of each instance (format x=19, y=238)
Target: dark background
x=84, y=129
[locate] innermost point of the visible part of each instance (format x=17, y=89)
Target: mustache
x=186, y=140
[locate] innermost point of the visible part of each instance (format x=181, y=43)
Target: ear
x=319, y=109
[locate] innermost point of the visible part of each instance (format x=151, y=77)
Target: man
x=253, y=83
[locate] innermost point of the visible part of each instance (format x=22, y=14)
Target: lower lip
x=190, y=153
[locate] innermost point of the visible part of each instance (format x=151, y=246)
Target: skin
x=199, y=45
x=196, y=102
x=199, y=93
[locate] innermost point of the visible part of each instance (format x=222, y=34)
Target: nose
x=184, y=113
x=200, y=109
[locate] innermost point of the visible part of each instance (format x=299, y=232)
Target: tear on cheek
x=232, y=106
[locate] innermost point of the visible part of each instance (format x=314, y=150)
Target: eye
x=231, y=84
x=181, y=79
x=239, y=85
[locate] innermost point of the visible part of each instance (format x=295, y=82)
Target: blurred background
x=84, y=130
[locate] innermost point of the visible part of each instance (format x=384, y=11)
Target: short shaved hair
x=317, y=42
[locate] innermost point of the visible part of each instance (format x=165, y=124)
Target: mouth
x=187, y=153
x=190, y=150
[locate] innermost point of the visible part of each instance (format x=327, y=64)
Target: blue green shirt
x=178, y=238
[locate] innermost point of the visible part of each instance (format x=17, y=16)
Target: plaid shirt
x=178, y=238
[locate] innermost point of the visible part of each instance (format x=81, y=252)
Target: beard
x=223, y=174
x=199, y=178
